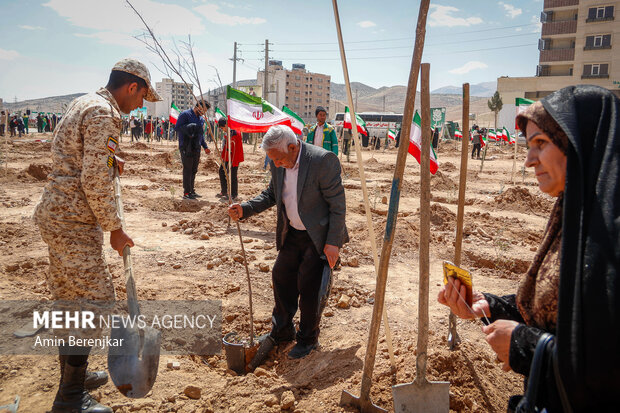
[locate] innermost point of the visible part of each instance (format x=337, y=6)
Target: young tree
x=495, y=104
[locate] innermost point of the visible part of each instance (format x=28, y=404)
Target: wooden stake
x=453, y=337
x=364, y=400
x=360, y=165
x=514, y=159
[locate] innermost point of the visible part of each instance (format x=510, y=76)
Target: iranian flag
x=297, y=123
x=360, y=121
x=458, y=134
x=174, y=114
x=415, y=143
x=391, y=134
x=510, y=139
x=251, y=114
x=491, y=135
x=219, y=114
x=521, y=105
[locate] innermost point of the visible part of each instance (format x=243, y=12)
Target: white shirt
x=318, y=135
x=289, y=193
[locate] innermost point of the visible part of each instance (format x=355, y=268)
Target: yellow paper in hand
x=451, y=270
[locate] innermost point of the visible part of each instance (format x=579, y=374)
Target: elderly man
x=307, y=190
x=78, y=204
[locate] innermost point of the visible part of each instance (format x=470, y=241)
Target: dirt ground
x=185, y=250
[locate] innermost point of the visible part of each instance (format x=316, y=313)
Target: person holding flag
x=477, y=141
x=322, y=133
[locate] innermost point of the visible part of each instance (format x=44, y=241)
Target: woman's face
x=548, y=161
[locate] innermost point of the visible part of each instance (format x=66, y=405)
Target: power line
x=407, y=56
x=411, y=38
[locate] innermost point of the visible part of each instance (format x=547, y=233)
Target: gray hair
x=278, y=137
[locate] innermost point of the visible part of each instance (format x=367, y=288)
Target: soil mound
x=140, y=145
x=211, y=165
x=441, y=182
x=39, y=171
x=165, y=204
x=442, y=217
x=447, y=167
x=520, y=199
x=371, y=161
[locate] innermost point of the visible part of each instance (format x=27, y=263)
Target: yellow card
x=451, y=270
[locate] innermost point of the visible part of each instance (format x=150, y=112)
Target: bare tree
x=181, y=61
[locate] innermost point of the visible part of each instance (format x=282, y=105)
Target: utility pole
x=265, y=85
x=234, y=59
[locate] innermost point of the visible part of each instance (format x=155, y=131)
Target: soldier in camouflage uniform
x=78, y=204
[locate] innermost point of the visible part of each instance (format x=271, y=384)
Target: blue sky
x=57, y=47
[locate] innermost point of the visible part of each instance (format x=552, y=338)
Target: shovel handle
x=425, y=225
x=130, y=285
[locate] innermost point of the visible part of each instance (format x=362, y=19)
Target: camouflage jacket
x=80, y=187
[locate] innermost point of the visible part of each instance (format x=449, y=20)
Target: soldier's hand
x=121, y=164
x=119, y=239
x=235, y=211
x=332, y=253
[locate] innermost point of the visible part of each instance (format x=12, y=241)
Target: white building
x=170, y=91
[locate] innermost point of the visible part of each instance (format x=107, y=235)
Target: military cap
x=138, y=69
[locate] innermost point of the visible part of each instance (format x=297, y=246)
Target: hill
x=55, y=104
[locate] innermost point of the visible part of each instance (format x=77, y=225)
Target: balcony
x=557, y=55
x=549, y=4
x=561, y=27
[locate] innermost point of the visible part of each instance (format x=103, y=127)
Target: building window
x=297, y=92
x=320, y=80
x=601, y=41
x=296, y=84
x=600, y=13
x=596, y=70
x=297, y=77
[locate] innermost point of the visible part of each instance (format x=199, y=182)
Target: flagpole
x=372, y=343
x=514, y=159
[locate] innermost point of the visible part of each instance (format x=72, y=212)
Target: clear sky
x=58, y=47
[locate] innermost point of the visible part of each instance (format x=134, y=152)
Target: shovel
x=133, y=366
x=422, y=395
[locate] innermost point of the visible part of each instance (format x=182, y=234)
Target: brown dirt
x=187, y=250
x=39, y=171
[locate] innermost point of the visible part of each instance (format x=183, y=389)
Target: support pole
x=453, y=337
x=360, y=164
x=234, y=85
x=363, y=402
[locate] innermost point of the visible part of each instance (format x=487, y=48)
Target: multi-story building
x=577, y=46
x=170, y=91
x=300, y=90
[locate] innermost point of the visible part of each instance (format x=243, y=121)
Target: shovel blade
x=133, y=366
x=365, y=406
x=427, y=397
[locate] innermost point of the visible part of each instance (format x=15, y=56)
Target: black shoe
x=189, y=196
x=93, y=379
x=72, y=397
x=302, y=350
x=195, y=195
x=284, y=336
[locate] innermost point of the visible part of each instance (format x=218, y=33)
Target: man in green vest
x=322, y=133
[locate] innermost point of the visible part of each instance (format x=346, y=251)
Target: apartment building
x=302, y=91
x=578, y=45
x=170, y=91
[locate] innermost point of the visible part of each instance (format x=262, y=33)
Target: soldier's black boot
x=72, y=397
x=93, y=379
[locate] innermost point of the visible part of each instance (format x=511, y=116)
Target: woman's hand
x=449, y=296
x=498, y=337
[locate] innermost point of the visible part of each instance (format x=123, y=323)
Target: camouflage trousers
x=78, y=278
x=78, y=269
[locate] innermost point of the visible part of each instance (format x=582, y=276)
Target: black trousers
x=476, y=149
x=190, y=168
x=346, y=146
x=296, y=279
x=233, y=180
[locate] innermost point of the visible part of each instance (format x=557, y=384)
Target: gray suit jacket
x=320, y=198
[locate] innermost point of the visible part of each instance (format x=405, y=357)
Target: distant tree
x=495, y=104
